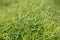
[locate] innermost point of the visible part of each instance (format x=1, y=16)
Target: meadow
x=29, y=19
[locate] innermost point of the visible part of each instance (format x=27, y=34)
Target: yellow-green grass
x=29, y=20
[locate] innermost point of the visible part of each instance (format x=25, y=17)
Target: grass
x=29, y=20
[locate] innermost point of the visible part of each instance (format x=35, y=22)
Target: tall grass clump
x=29, y=20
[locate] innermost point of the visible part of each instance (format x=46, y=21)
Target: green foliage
x=29, y=20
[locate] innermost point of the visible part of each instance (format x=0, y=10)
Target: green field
x=29, y=19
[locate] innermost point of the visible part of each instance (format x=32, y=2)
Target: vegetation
x=29, y=20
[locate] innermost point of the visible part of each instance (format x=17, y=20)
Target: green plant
x=29, y=20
